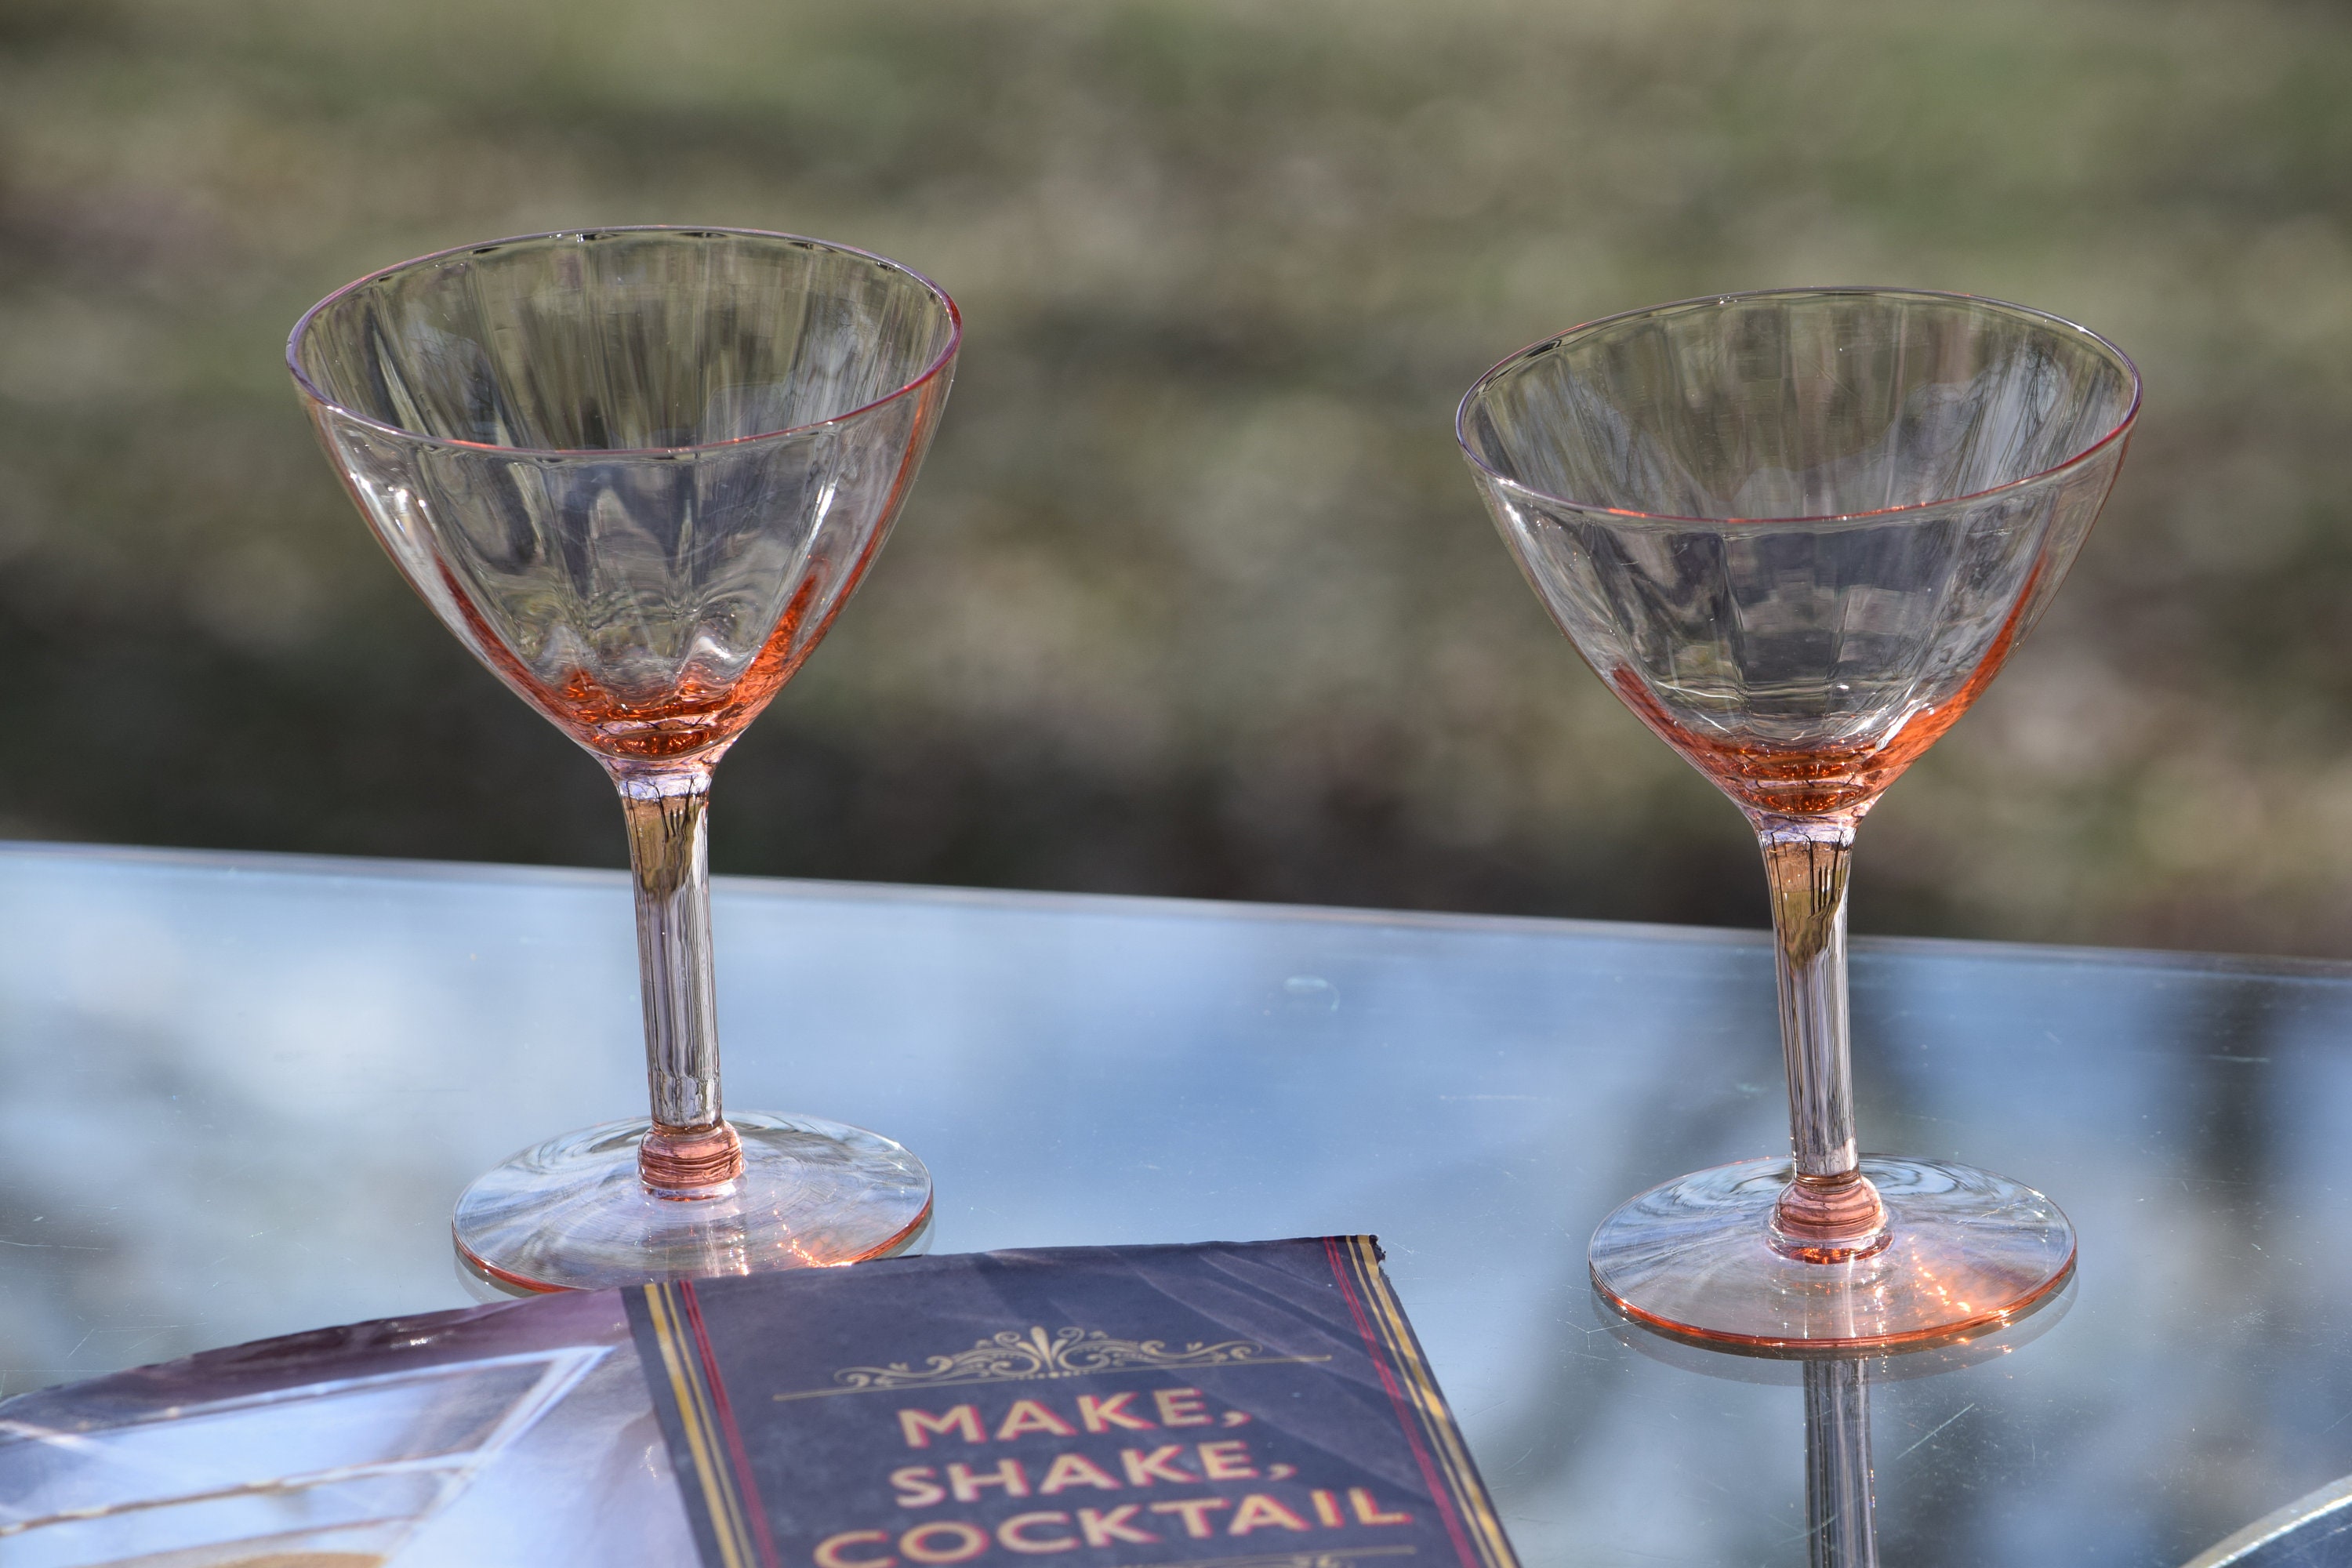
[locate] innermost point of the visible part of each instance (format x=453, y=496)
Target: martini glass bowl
x=1798, y=533
x=636, y=472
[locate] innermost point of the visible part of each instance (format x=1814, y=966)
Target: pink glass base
x=1970, y=1250
x=571, y=1213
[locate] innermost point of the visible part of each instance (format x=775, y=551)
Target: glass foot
x=1970, y=1249
x=571, y=1214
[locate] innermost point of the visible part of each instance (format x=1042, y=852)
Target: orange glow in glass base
x=1967, y=1250
x=575, y=1214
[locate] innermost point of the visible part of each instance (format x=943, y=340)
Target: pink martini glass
x=1798, y=533
x=637, y=471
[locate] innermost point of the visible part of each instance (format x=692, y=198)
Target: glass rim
x=313, y=392
x=2119, y=431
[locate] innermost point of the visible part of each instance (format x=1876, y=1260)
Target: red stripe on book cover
x=738, y=1458
x=1407, y=1420
x=1437, y=1422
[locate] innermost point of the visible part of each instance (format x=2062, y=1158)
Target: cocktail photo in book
x=636, y=472
x=1258, y=1405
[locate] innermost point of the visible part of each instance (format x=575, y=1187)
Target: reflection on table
x=242, y=1091
x=1841, y=1515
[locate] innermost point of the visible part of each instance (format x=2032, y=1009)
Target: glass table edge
x=353, y=867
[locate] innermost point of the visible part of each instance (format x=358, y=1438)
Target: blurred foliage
x=1194, y=596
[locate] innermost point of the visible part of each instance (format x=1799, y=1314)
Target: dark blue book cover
x=1259, y=1405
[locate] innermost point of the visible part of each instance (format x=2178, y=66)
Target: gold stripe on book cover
x=1486, y=1529
x=696, y=1414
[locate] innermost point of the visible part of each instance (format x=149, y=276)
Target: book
x=1260, y=1404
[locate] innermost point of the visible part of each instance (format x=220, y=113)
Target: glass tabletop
x=310, y=1059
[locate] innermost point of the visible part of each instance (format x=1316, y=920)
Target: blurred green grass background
x=1194, y=596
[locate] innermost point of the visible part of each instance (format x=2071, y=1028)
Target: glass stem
x=1838, y=1482
x=1830, y=1213
x=690, y=1151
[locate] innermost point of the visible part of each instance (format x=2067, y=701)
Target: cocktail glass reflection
x=1798, y=533
x=636, y=472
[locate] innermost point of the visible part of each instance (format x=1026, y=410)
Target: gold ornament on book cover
x=1015, y=1355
